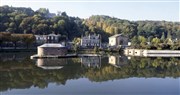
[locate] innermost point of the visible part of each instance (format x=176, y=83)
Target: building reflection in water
x=51, y=63
x=91, y=61
x=118, y=61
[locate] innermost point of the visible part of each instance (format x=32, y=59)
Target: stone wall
x=44, y=51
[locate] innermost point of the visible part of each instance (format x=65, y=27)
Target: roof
x=53, y=35
x=117, y=35
x=48, y=35
x=51, y=45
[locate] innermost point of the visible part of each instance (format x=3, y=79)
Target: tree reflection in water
x=25, y=73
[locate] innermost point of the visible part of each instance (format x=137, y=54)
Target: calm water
x=105, y=75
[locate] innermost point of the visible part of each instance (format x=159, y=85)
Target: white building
x=91, y=41
x=118, y=40
x=51, y=38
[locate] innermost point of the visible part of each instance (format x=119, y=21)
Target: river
x=96, y=75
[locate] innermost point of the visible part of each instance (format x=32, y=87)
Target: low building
x=52, y=49
x=51, y=38
x=118, y=40
x=91, y=41
x=40, y=39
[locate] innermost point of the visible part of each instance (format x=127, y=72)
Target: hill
x=27, y=21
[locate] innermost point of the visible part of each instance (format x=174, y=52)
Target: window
x=56, y=38
x=121, y=42
x=37, y=38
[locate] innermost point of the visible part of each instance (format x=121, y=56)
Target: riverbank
x=152, y=53
x=18, y=50
x=63, y=56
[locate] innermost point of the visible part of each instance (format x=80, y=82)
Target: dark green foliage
x=27, y=39
x=25, y=20
x=147, y=29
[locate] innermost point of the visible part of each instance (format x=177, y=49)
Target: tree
x=77, y=41
x=28, y=39
x=156, y=42
x=15, y=38
x=96, y=49
x=135, y=41
x=163, y=36
x=143, y=41
x=76, y=48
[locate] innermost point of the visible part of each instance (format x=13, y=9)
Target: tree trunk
x=15, y=44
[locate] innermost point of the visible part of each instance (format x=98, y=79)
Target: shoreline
x=63, y=56
x=18, y=50
x=152, y=53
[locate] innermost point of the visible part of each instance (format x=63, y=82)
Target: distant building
x=51, y=38
x=91, y=41
x=52, y=49
x=118, y=40
x=91, y=61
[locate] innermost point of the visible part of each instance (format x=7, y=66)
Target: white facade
x=112, y=41
x=117, y=40
x=51, y=38
x=91, y=41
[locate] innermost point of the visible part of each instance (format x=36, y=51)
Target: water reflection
x=118, y=61
x=91, y=61
x=25, y=74
x=51, y=63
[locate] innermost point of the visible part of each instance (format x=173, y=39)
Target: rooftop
x=52, y=45
x=49, y=35
x=116, y=35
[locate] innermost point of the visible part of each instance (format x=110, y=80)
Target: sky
x=168, y=10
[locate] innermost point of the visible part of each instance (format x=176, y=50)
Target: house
x=52, y=49
x=91, y=41
x=51, y=38
x=40, y=39
x=118, y=40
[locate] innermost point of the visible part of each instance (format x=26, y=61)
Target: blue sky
x=124, y=9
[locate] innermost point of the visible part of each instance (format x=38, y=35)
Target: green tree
x=96, y=49
x=28, y=39
x=163, y=36
x=15, y=38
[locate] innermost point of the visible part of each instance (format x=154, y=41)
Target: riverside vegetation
x=21, y=20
